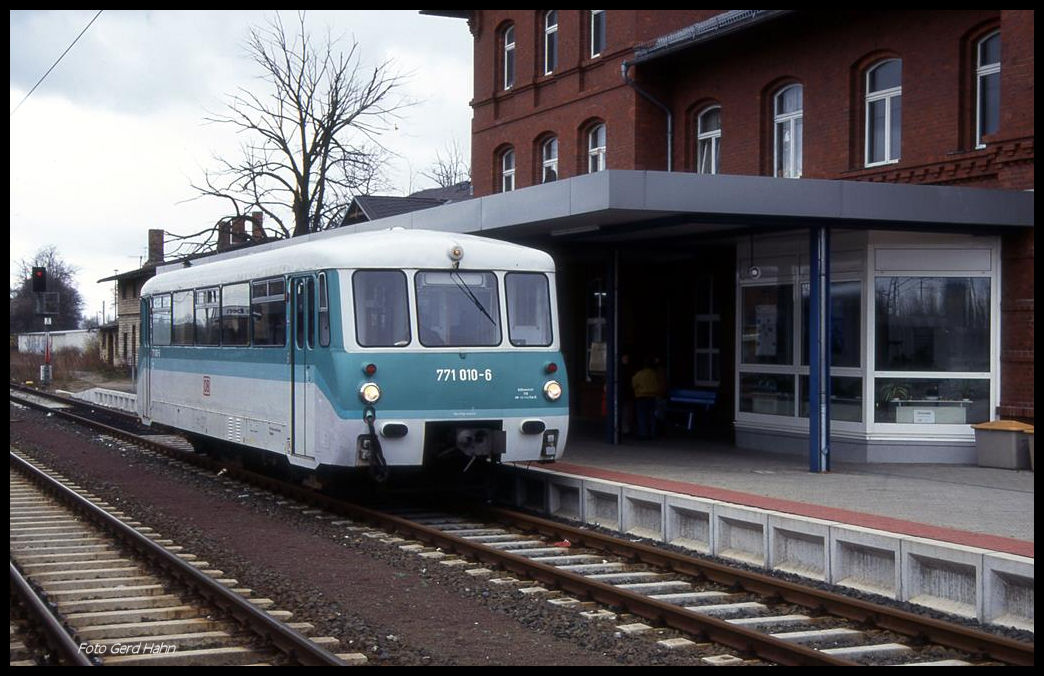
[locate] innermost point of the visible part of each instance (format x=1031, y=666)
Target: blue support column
x=819, y=350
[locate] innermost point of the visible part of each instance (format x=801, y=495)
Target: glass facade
x=910, y=354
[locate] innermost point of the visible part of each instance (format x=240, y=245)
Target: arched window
x=596, y=149
x=507, y=170
x=788, y=113
x=884, y=97
x=549, y=160
x=508, y=56
x=550, y=41
x=708, y=141
x=987, y=87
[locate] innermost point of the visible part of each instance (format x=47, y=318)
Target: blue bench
x=688, y=401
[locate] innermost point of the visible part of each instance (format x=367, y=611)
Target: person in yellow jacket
x=646, y=386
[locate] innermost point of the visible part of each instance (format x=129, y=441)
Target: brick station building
x=694, y=171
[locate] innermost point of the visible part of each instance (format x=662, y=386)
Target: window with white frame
x=767, y=373
x=884, y=97
x=932, y=348
x=596, y=149
x=987, y=87
x=773, y=338
x=708, y=141
x=508, y=56
x=597, y=32
x=788, y=118
x=771, y=382
x=549, y=160
x=507, y=170
x=550, y=41
x=846, y=333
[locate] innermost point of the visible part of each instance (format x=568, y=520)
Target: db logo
x=206, y=386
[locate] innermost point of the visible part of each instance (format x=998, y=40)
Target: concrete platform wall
x=965, y=581
x=123, y=401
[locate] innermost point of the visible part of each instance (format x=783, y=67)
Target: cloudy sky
x=108, y=145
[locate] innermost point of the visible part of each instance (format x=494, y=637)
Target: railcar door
x=302, y=342
x=144, y=360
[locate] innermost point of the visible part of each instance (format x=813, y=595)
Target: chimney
x=223, y=235
x=155, y=246
x=238, y=230
x=258, y=229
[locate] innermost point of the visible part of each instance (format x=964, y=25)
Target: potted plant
x=894, y=392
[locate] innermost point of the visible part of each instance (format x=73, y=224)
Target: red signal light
x=550, y=367
x=370, y=369
x=39, y=282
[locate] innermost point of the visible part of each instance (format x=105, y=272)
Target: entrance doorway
x=672, y=304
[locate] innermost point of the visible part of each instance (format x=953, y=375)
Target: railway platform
x=955, y=538
x=981, y=507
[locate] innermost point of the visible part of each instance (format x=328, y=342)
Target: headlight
x=552, y=390
x=369, y=393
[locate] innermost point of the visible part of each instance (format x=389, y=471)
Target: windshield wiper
x=463, y=286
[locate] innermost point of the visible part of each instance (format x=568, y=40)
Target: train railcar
x=377, y=349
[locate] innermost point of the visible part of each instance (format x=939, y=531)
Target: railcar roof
x=399, y=248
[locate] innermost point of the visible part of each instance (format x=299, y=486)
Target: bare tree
x=311, y=141
x=450, y=168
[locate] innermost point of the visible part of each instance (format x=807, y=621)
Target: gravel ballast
x=393, y=606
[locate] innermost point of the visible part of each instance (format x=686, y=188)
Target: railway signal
x=39, y=279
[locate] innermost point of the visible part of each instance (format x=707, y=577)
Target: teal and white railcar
x=380, y=349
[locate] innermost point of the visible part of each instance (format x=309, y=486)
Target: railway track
x=754, y=614
x=758, y=617
x=108, y=592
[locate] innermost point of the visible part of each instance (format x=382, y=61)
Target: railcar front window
x=529, y=309
x=382, y=317
x=458, y=309
x=268, y=311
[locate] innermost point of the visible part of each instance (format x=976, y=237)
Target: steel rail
x=719, y=631
x=1001, y=648
x=289, y=641
x=56, y=634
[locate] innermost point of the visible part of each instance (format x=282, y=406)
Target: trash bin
x=1003, y=444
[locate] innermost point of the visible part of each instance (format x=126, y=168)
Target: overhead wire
x=57, y=62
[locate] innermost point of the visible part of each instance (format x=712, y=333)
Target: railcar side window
x=529, y=309
x=208, y=321
x=381, y=308
x=161, y=319
x=235, y=314
x=304, y=313
x=182, y=318
x=457, y=308
x=324, y=312
x=268, y=310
